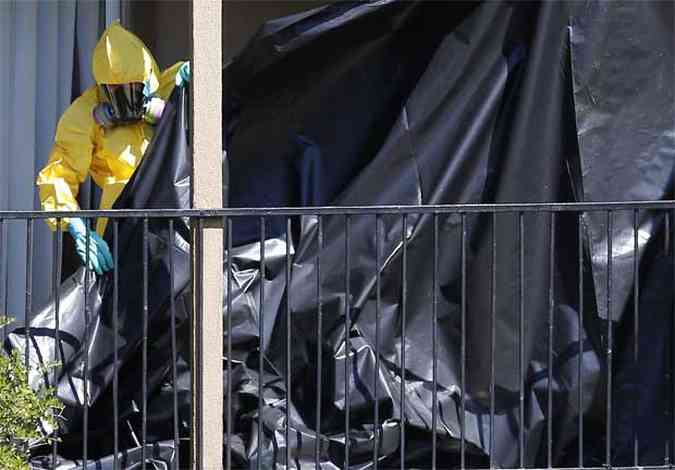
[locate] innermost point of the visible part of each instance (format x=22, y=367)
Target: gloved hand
x=100, y=259
x=183, y=75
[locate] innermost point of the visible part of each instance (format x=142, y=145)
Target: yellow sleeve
x=69, y=161
x=167, y=81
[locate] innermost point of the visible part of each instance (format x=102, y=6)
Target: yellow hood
x=121, y=57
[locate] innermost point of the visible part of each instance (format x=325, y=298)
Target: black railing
x=345, y=414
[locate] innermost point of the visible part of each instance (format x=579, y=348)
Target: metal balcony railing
x=392, y=428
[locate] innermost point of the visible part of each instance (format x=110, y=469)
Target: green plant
x=22, y=411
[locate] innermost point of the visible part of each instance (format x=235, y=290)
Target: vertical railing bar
x=85, y=382
x=666, y=250
x=404, y=302
x=116, y=333
x=5, y=271
x=521, y=340
x=672, y=354
x=144, y=378
x=378, y=306
x=289, y=240
x=580, y=338
x=3, y=277
x=5, y=268
x=462, y=367
x=29, y=290
x=493, y=320
x=174, y=345
x=636, y=324
x=551, y=307
x=666, y=238
x=56, y=281
x=228, y=274
x=434, y=347
x=261, y=334
x=348, y=328
x=670, y=442
x=319, y=341
x=608, y=448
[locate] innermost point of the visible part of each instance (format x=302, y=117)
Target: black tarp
x=420, y=103
x=162, y=180
x=624, y=81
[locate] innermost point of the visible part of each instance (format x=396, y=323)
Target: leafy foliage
x=12, y=459
x=22, y=411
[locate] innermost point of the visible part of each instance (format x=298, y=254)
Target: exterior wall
x=241, y=19
x=164, y=24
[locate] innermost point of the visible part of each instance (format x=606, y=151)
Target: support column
x=207, y=240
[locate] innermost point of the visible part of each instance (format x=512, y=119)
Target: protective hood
x=121, y=57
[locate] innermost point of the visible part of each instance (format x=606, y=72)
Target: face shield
x=126, y=101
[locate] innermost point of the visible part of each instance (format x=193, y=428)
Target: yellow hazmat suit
x=82, y=147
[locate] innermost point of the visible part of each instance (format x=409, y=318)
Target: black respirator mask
x=126, y=104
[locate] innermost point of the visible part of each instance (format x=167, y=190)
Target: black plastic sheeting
x=412, y=103
x=623, y=62
x=162, y=180
x=625, y=123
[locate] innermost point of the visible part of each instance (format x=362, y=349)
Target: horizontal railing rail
x=350, y=273
x=348, y=210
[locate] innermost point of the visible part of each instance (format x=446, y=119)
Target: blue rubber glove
x=100, y=259
x=183, y=75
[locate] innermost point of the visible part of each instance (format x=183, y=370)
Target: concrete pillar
x=207, y=240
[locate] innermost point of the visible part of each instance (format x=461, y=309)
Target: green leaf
x=22, y=410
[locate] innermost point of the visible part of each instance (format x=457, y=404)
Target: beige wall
x=164, y=24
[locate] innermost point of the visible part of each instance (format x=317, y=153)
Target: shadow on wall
x=164, y=25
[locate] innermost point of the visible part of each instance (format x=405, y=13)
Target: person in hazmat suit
x=104, y=133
